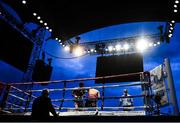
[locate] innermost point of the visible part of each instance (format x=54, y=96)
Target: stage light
x=35, y=14
x=78, y=51
x=126, y=46
x=173, y=21
x=170, y=24
x=110, y=48
x=38, y=17
x=95, y=51
x=23, y=2
x=118, y=47
x=170, y=31
x=56, y=38
x=59, y=40
x=142, y=45
x=50, y=30
x=61, y=43
x=92, y=50
x=177, y=1
x=106, y=49
x=67, y=48
x=171, y=28
x=41, y=21
x=47, y=27
x=175, y=6
x=150, y=44
x=45, y=24
x=170, y=35
x=155, y=44
x=158, y=43
x=175, y=10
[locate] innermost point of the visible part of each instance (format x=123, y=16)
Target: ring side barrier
x=110, y=97
x=94, y=108
x=20, y=98
x=84, y=88
x=20, y=107
x=76, y=80
x=27, y=92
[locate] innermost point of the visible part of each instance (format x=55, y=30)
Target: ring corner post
x=171, y=87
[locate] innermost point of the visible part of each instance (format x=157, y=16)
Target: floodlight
x=78, y=51
x=126, y=46
x=118, y=47
x=35, y=14
x=110, y=48
x=38, y=17
x=67, y=48
x=177, y=1
x=23, y=2
x=142, y=45
x=175, y=10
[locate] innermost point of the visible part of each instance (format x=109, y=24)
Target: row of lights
x=38, y=18
x=176, y=6
x=172, y=23
x=141, y=46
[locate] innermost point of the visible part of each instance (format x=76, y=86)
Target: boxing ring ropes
x=11, y=88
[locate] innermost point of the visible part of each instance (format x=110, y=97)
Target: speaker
x=41, y=71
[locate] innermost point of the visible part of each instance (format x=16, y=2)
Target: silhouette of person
x=126, y=101
x=93, y=95
x=42, y=106
x=78, y=96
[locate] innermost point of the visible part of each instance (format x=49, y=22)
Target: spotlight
x=142, y=44
x=50, y=30
x=67, y=48
x=45, y=24
x=170, y=31
x=175, y=10
x=150, y=44
x=59, y=40
x=56, y=38
x=47, y=27
x=170, y=24
x=126, y=46
x=78, y=51
x=61, y=43
x=170, y=35
x=173, y=21
x=41, y=21
x=155, y=44
x=118, y=47
x=38, y=17
x=171, y=28
x=95, y=51
x=175, y=6
x=106, y=49
x=23, y=2
x=177, y=1
x=158, y=43
x=92, y=50
x=110, y=48
x=35, y=14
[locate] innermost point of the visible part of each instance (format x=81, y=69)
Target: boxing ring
x=26, y=97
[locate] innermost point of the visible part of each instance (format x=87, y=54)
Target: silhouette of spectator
x=42, y=106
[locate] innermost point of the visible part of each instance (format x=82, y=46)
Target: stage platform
x=90, y=116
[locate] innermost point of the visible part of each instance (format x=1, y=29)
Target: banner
x=158, y=84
